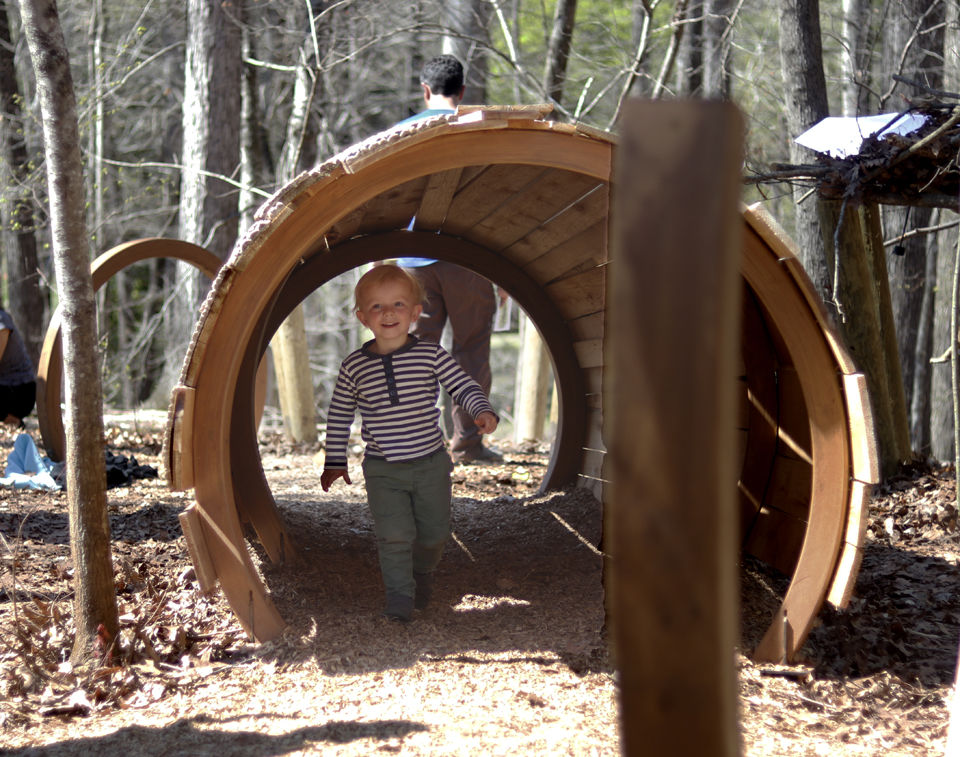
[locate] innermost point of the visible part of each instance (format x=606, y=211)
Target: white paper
x=842, y=136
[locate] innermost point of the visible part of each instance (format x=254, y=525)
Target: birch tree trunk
x=209, y=205
x=469, y=20
x=291, y=360
x=95, y=600
x=852, y=56
x=921, y=403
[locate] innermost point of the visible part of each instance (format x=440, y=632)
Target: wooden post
x=673, y=332
x=294, y=382
x=860, y=292
x=876, y=257
x=533, y=385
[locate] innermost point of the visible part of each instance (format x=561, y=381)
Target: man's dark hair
x=444, y=75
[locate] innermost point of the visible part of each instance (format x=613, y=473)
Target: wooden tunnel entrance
x=523, y=202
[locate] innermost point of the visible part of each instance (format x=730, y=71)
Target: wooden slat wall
x=387, y=211
x=760, y=367
x=437, y=196
x=484, y=194
x=586, y=212
x=581, y=252
x=794, y=430
x=581, y=294
x=587, y=327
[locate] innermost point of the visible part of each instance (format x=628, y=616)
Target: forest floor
x=510, y=658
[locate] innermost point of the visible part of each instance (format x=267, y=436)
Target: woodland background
x=192, y=113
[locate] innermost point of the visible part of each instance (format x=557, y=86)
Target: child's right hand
x=329, y=476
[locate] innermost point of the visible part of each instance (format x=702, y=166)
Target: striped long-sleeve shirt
x=396, y=395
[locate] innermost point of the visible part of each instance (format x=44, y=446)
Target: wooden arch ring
x=816, y=365
x=245, y=464
x=107, y=265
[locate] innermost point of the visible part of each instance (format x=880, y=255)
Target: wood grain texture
x=815, y=365
x=673, y=330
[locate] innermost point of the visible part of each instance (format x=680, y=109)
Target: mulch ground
x=511, y=657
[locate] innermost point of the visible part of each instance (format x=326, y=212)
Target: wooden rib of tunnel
x=524, y=202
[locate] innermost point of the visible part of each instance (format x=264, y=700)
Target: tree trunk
x=558, y=49
x=95, y=600
x=801, y=61
x=690, y=56
x=23, y=270
x=288, y=347
x=908, y=38
x=862, y=323
x=209, y=206
x=922, y=380
x=941, y=398
x=533, y=372
x=254, y=147
x=533, y=383
x=717, y=31
x=211, y=111
x=907, y=283
x=469, y=22
x=852, y=57
x=893, y=394
x=941, y=401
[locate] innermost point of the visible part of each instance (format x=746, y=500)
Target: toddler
x=394, y=381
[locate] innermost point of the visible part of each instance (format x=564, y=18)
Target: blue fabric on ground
x=26, y=469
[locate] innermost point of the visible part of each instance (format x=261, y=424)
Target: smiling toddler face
x=388, y=308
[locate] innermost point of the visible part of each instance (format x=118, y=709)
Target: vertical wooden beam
x=294, y=380
x=534, y=379
x=673, y=333
x=877, y=259
x=859, y=292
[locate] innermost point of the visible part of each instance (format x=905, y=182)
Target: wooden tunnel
x=525, y=202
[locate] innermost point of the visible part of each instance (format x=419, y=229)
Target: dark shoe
x=478, y=455
x=398, y=607
x=424, y=590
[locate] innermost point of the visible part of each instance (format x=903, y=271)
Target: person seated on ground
x=18, y=379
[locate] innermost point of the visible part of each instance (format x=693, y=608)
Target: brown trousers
x=469, y=302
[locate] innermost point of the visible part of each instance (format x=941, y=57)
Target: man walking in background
x=464, y=297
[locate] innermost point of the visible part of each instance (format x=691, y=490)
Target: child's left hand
x=486, y=422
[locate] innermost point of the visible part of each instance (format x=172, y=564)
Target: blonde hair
x=388, y=272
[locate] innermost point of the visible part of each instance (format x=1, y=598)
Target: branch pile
x=917, y=169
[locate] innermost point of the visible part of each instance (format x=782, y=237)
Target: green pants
x=410, y=503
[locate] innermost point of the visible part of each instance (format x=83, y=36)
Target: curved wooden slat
x=760, y=370
x=817, y=371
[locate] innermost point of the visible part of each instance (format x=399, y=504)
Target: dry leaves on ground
x=510, y=658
